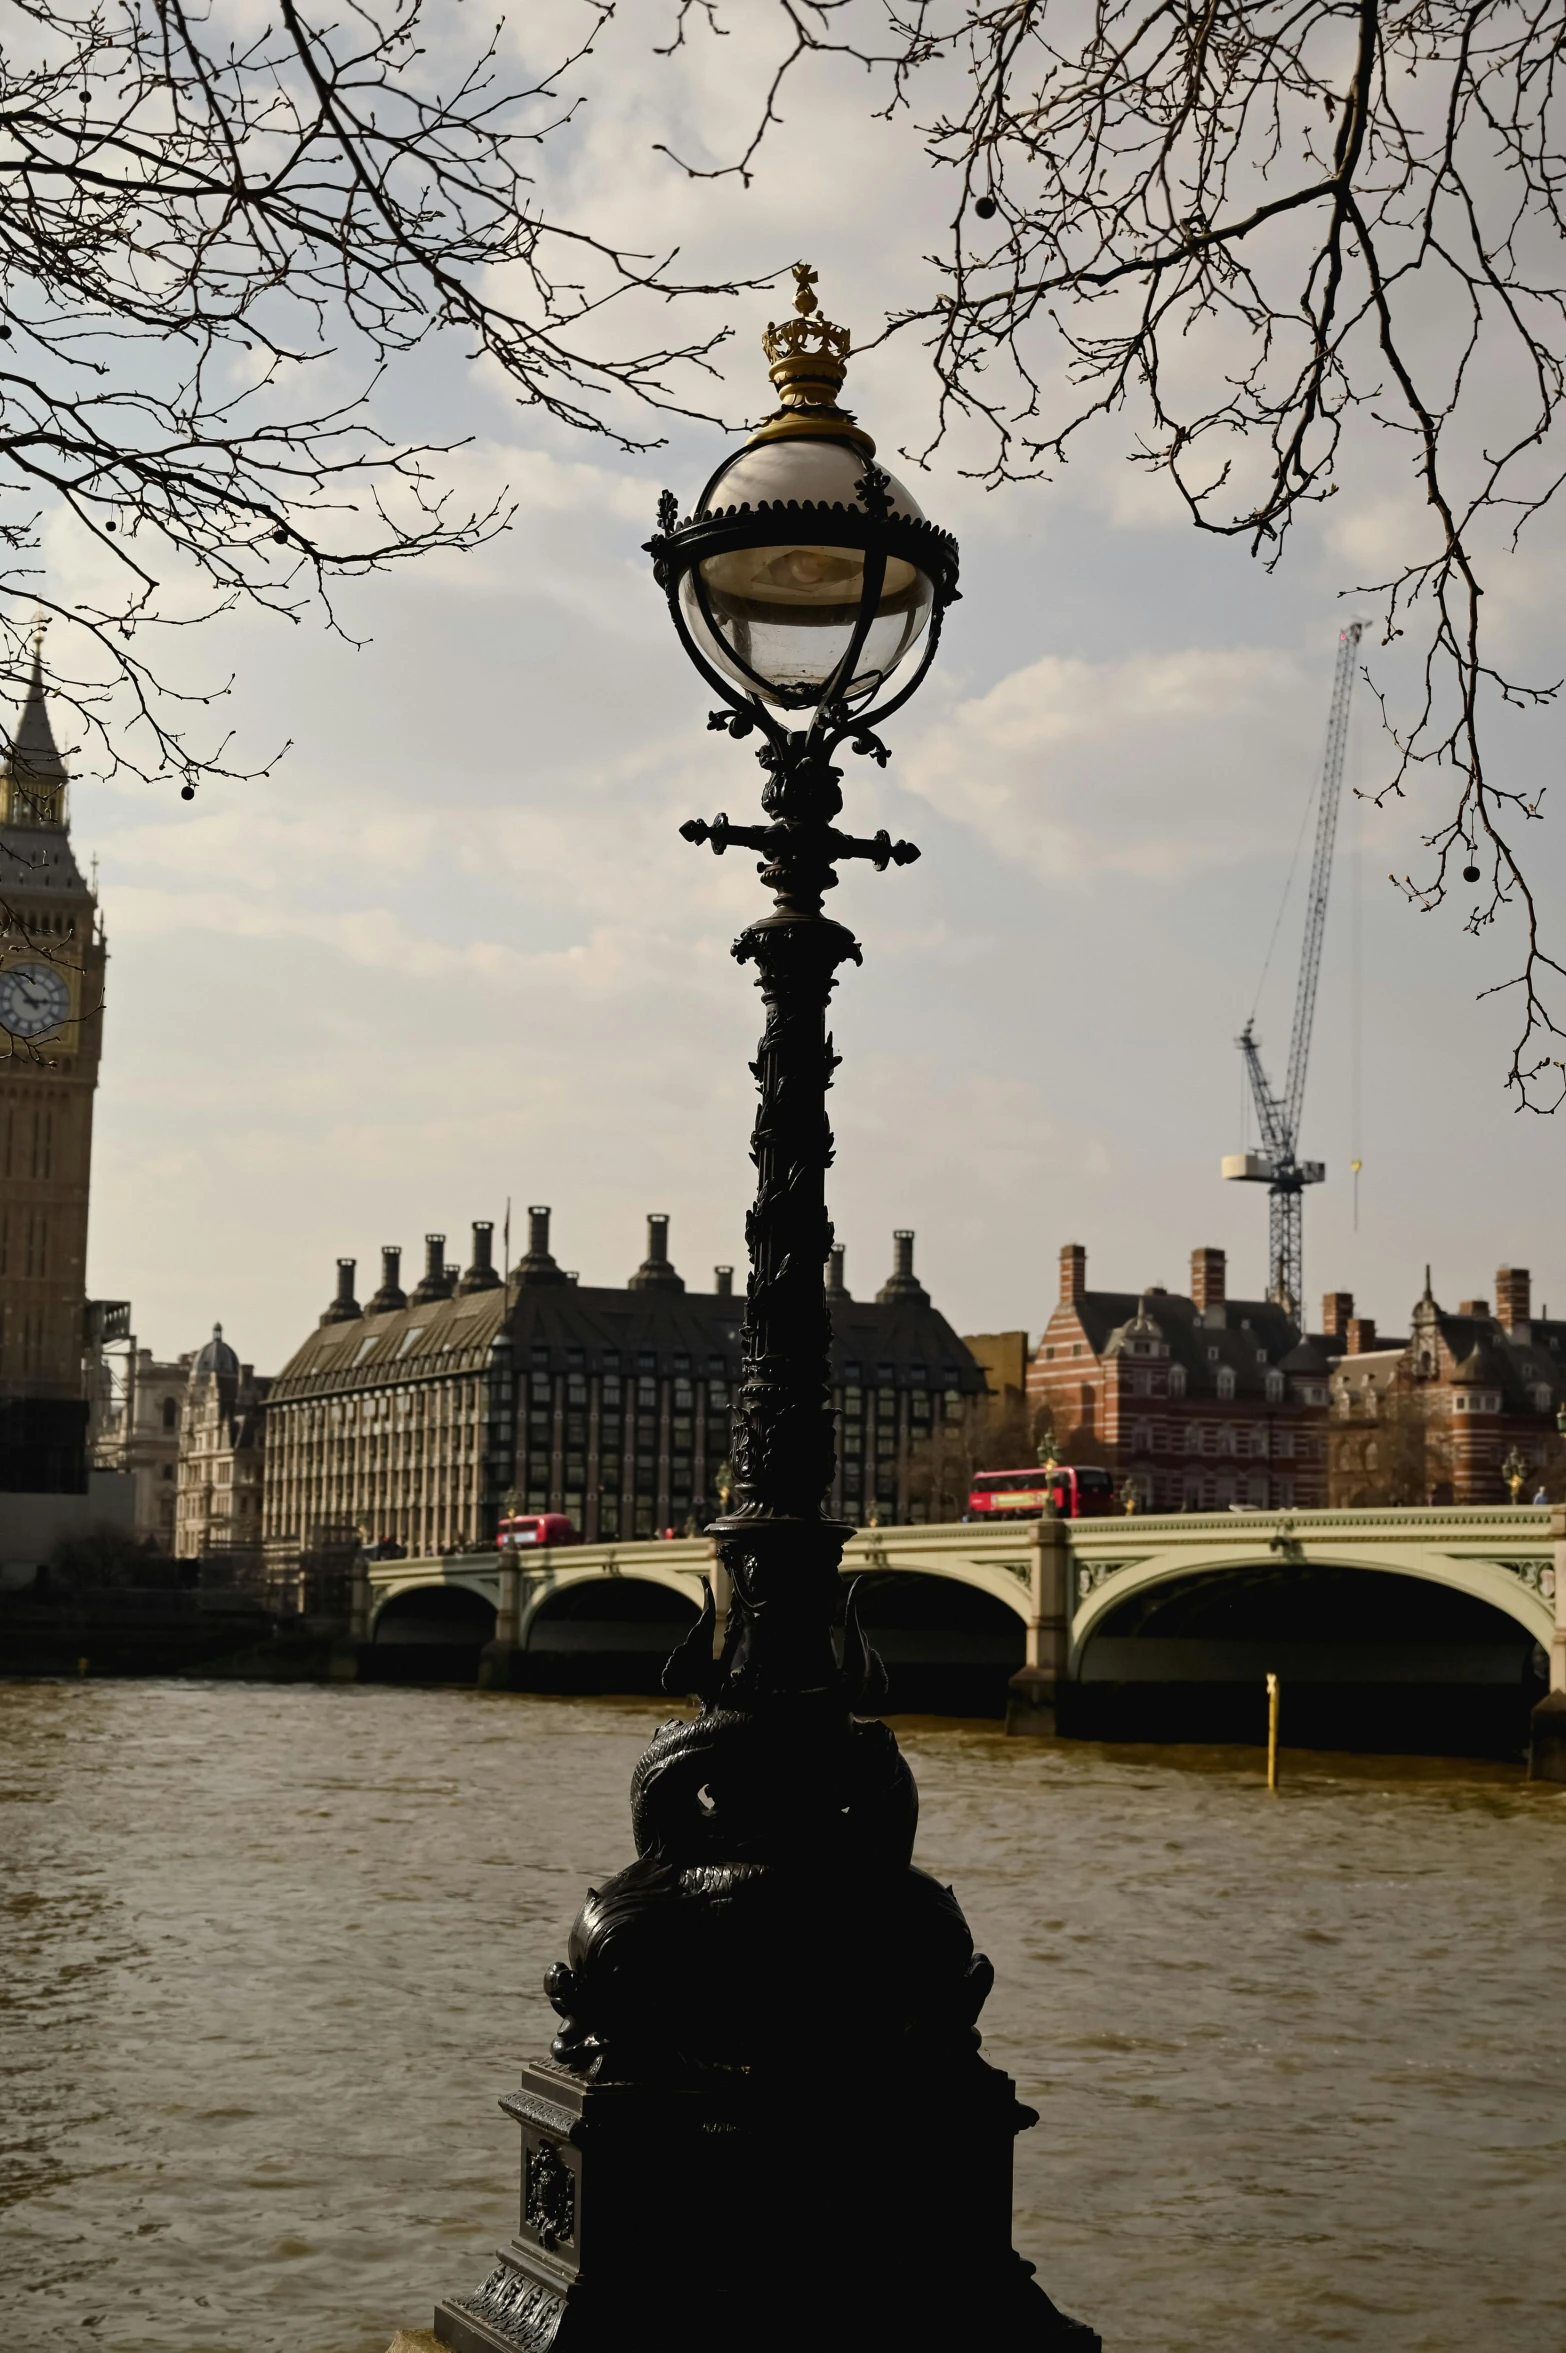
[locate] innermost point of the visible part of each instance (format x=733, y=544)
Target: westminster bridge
x=1387, y=1628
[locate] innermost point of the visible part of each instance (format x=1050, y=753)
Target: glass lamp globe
x=806, y=573
x=779, y=617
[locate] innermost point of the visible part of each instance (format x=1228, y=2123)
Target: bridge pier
x=343, y=1666
x=500, y=1656
x=1547, y=1742
x=1034, y=1693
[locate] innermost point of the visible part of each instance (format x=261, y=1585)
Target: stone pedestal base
x=1033, y=1705
x=831, y=2213
x=1547, y=1744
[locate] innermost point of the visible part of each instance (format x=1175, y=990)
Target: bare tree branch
x=201, y=214
x=1245, y=232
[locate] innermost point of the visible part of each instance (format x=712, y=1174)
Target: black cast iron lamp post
x=765, y=2122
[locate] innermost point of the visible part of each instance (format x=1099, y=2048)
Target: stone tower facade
x=221, y=1438
x=51, y=1026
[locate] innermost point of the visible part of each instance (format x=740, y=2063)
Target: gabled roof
x=1139, y=1335
x=1254, y=1337
x=1468, y=1350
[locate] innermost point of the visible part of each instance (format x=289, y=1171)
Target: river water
x=270, y=1955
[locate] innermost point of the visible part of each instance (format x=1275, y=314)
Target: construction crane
x=1278, y=1165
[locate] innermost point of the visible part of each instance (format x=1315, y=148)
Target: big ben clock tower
x=51, y=1027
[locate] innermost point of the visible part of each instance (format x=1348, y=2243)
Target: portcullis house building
x=421, y=1417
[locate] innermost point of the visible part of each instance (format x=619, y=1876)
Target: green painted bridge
x=1091, y=1616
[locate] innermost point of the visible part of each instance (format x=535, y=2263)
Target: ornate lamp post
x=765, y=2117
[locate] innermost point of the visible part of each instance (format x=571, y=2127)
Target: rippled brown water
x=270, y=1955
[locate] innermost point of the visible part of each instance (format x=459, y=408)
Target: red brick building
x=1197, y=1402
x=1433, y=1418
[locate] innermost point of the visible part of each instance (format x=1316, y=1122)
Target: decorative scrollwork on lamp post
x=769, y=2016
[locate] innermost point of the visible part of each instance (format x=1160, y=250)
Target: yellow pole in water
x=1272, y=1733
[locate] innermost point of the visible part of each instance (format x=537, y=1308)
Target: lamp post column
x=780, y=1551
x=765, y=2120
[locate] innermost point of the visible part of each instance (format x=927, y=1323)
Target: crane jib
x=1278, y=1117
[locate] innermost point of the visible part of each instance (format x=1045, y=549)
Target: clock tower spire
x=51, y=1023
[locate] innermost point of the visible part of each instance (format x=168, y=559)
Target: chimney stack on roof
x=538, y=1266
x=1478, y=1308
x=723, y=1281
x=345, y=1307
x=434, y=1283
x=1073, y=1274
x=1514, y=1301
x=902, y=1287
x=1361, y=1334
x=1207, y=1286
x=481, y=1275
x=836, y=1288
x=1337, y=1313
x=655, y=1273
x=391, y=1295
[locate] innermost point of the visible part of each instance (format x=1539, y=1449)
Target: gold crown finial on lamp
x=807, y=360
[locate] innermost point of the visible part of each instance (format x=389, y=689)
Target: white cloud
x=1147, y=767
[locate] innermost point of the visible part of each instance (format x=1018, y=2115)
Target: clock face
x=33, y=998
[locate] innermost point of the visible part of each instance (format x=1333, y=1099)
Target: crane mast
x=1278, y=1165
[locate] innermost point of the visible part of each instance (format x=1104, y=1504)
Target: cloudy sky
x=453, y=950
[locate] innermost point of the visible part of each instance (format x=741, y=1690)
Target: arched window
x=1177, y=1380
x=1225, y=1380
x=170, y=1413
x=1275, y=1387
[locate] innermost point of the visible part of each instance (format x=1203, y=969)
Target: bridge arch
x=420, y=1578
x=949, y=1643
x=587, y=1631
x=1009, y=1584
x=1443, y=1656
x=1487, y=1580
x=430, y=1632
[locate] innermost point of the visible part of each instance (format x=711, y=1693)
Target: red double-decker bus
x=527, y=1529
x=1077, y=1494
